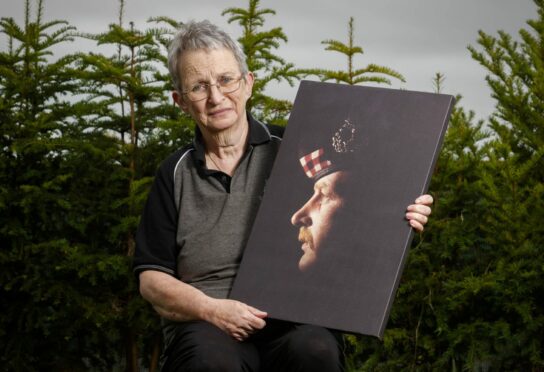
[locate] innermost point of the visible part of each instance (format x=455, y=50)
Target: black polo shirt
x=196, y=221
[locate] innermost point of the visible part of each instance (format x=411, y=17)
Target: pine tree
x=33, y=217
x=131, y=90
x=372, y=73
x=258, y=46
x=513, y=187
x=471, y=295
x=418, y=333
x=81, y=138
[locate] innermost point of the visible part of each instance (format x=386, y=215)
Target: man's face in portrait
x=318, y=217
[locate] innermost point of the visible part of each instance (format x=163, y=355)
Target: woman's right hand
x=180, y=302
x=236, y=318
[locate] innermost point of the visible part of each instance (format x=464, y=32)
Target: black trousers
x=280, y=346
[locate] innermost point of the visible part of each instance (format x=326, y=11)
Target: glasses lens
x=224, y=88
x=197, y=96
x=231, y=86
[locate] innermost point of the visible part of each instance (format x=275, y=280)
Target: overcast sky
x=415, y=37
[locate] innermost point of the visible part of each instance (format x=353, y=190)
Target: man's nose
x=301, y=217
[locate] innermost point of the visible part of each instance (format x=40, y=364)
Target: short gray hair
x=201, y=35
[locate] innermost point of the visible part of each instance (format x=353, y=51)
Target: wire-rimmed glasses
x=225, y=84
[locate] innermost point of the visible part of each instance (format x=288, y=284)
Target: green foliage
x=372, y=73
x=471, y=295
x=129, y=92
x=83, y=134
x=258, y=46
x=447, y=254
x=81, y=139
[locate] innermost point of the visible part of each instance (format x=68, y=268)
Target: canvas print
x=330, y=239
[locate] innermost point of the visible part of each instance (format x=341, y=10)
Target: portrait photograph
x=330, y=239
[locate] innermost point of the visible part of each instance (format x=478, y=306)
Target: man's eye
x=324, y=199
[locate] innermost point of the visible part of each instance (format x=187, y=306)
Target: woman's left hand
x=418, y=214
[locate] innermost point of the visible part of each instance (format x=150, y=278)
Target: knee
x=213, y=361
x=209, y=361
x=316, y=349
x=200, y=347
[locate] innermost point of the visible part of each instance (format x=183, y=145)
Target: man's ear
x=178, y=99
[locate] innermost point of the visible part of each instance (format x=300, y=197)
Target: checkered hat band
x=313, y=163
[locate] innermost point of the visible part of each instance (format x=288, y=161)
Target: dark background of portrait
x=352, y=289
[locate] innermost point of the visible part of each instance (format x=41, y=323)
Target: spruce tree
x=82, y=136
x=131, y=91
x=419, y=332
x=258, y=46
x=513, y=187
x=33, y=226
x=471, y=294
x=372, y=73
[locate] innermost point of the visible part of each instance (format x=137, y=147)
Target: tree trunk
x=131, y=352
x=155, y=353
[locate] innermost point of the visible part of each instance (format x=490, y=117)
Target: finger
x=425, y=199
x=421, y=218
x=248, y=321
x=416, y=225
x=419, y=208
x=240, y=335
x=258, y=313
x=257, y=323
x=243, y=334
x=250, y=330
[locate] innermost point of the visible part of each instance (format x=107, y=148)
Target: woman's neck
x=225, y=149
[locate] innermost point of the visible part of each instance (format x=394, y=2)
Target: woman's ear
x=250, y=79
x=178, y=99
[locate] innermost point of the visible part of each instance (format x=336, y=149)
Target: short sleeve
x=156, y=235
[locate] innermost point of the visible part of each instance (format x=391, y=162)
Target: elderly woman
x=198, y=218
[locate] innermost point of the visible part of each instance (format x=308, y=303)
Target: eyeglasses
x=225, y=84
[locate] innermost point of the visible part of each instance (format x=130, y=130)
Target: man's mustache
x=305, y=236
